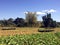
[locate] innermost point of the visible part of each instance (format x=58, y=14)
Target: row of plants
x=32, y=39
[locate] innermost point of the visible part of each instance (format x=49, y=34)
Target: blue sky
x=16, y=8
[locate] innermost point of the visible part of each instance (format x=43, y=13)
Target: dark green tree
x=19, y=22
x=48, y=21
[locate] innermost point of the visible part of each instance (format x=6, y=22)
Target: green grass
x=32, y=39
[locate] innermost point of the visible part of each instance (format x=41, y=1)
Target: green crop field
x=29, y=36
x=31, y=39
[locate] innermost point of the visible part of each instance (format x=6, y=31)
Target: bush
x=8, y=28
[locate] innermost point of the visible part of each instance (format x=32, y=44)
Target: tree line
x=30, y=21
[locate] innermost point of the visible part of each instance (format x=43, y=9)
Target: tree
x=48, y=21
x=5, y=23
x=1, y=23
x=31, y=18
x=11, y=19
x=19, y=22
x=11, y=22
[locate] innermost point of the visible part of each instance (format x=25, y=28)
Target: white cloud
x=43, y=12
x=36, y=13
x=49, y=11
x=40, y=13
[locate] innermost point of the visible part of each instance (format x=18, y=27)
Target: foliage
x=48, y=21
x=19, y=22
x=30, y=21
x=34, y=39
x=5, y=23
x=57, y=34
x=31, y=18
